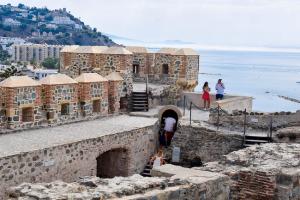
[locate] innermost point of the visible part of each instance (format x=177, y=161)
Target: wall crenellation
x=57, y=99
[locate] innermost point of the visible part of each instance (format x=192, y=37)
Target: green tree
x=30, y=16
x=23, y=27
x=51, y=63
x=49, y=18
x=9, y=72
x=4, y=55
x=20, y=5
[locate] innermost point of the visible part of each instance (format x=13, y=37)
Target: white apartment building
x=11, y=22
x=5, y=41
x=62, y=20
x=34, y=52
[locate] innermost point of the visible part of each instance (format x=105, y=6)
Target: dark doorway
x=113, y=163
x=96, y=106
x=65, y=109
x=167, y=113
x=27, y=114
x=165, y=69
x=135, y=69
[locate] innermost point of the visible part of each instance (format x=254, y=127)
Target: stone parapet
x=72, y=160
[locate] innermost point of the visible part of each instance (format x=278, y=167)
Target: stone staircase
x=147, y=170
x=139, y=101
x=255, y=139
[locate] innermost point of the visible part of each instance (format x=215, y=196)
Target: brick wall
x=54, y=96
x=15, y=100
x=114, y=95
x=90, y=92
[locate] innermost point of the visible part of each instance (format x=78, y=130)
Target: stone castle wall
x=14, y=100
x=54, y=96
x=178, y=67
x=73, y=64
x=53, y=104
x=209, y=145
x=70, y=161
x=142, y=60
x=257, y=120
x=192, y=70
x=114, y=96
x=89, y=92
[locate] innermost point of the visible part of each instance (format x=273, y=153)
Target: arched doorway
x=168, y=111
x=113, y=163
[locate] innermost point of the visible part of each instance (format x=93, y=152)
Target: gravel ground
x=31, y=140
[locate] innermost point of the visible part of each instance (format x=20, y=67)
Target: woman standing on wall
x=206, y=96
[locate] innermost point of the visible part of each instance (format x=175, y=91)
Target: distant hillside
x=41, y=25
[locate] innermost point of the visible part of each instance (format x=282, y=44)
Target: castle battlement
x=26, y=103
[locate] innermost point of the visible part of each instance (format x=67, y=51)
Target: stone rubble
x=91, y=188
x=269, y=171
x=266, y=156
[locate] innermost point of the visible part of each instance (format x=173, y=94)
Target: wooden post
x=245, y=118
x=184, y=102
x=218, y=119
x=271, y=128
x=190, y=113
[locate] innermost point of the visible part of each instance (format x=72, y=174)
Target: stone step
x=255, y=137
x=139, y=98
x=148, y=166
x=140, y=109
x=146, y=174
x=146, y=170
x=139, y=94
x=256, y=141
x=141, y=101
x=139, y=105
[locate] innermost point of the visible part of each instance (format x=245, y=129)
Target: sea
x=262, y=75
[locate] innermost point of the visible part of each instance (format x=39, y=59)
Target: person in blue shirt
x=220, y=90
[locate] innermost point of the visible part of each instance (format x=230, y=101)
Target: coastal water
x=262, y=75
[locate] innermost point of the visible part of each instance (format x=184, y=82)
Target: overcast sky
x=206, y=22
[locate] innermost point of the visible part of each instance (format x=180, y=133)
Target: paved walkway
x=31, y=140
x=197, y=115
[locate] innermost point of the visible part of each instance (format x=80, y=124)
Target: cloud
x=206, y=22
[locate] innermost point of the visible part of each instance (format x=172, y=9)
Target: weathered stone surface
x=190, y=185
x=288, y=135
x=208, y=144
x=269, y=171
x=257, y=120
x=101, y=189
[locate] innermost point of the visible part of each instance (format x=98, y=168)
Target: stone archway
x=113, y=163
x=168, y=111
